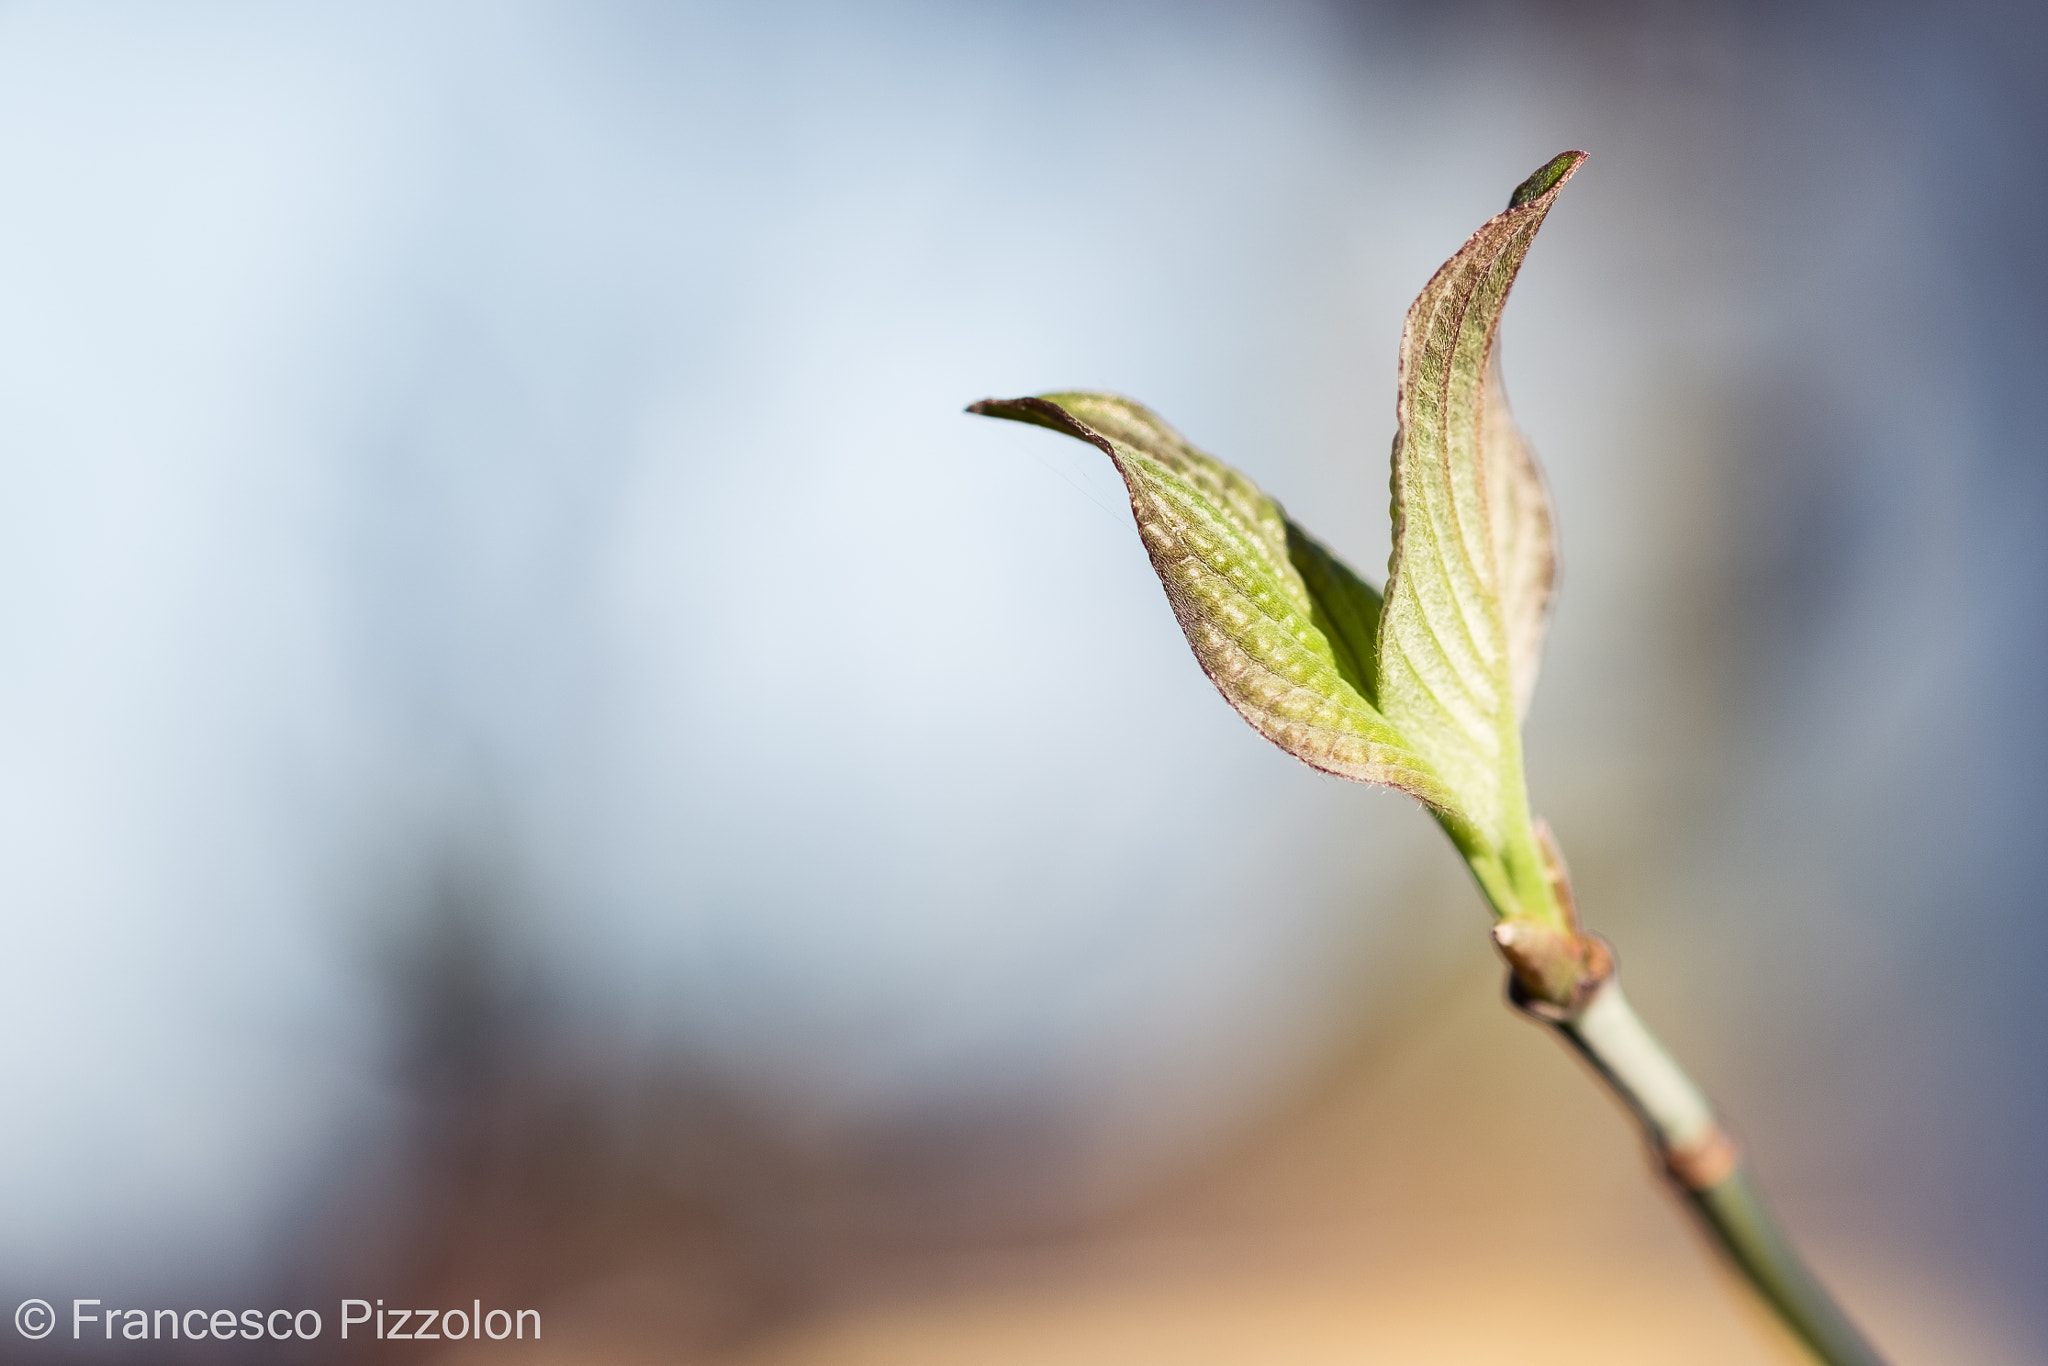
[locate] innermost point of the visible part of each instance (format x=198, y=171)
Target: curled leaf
x=1284, y=630
x=1468, y=585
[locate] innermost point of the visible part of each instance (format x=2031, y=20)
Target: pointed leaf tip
x=1552, y=174
x=1039, y=413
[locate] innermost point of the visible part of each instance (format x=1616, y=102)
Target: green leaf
x=1424, y=690
x=1284, y=630
x=1469, y=582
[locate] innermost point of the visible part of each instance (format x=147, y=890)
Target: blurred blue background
x=517, y=666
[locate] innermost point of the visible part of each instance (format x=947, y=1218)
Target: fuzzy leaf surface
x=1283, y=628
x=1469, y=582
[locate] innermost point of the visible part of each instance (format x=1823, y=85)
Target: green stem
x=1735, y=1213
x=1702, y=1162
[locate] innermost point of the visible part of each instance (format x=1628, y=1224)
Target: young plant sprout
x=1423, y=687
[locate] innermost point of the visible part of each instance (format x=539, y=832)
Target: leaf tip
x=1548, y=177
x=1035, y=410
x=1041, y=413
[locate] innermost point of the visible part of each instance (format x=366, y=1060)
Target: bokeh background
x=543, y=760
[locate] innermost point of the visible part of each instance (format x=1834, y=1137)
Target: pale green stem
x=1704, y=1165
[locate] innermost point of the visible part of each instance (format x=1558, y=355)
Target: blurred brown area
x=1448, y=1188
